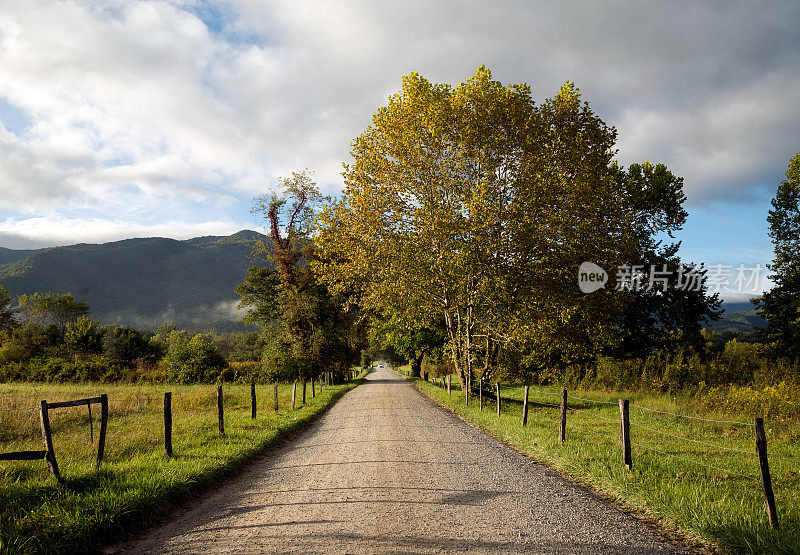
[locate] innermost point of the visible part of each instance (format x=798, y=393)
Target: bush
x=60, y=370
x=84, y=335
x=125, y=345
x=194, y=360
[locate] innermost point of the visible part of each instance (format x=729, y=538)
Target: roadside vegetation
x=689, y=481
x=137, y=482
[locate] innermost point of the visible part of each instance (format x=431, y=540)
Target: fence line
x=589, y=419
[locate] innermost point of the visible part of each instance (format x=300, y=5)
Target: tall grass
x=702, y=479
x=137, y=482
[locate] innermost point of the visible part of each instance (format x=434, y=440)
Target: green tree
x=7, y=319
x=781, y=305
x=84, y=335
x=47, y=308
x=305, y=326
x=126, y=345
x=193, y=359
x=665, y=316
x=411, y=342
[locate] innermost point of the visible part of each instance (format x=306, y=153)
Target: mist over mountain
x=142, y=282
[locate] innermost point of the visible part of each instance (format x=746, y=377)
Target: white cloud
x=54, y=230
x=147, y=96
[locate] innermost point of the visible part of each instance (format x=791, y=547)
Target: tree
x=193, y=360
x=126, y=345
x=7, y=319
x=665, y=315
x=781, y=305
x=413, y=343
x=47, y=308
x=473, y=206
x=259, y=294
x=305, y=326
x=84, y=335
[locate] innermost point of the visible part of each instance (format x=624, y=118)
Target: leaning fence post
x=449, y=376
x=766, y=480
x=562, y=426
x=168, y=422
x=47, y=439
x=253, y=397
x=313, y=388
x=497, y=392
x=220, y=409
x=525, y=407
x=101, y=443
x=625, y=433
x=294, y=393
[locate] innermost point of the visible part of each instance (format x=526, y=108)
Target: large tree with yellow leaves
x=473, y=205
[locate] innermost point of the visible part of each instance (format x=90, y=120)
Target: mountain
x=11, y=255
x=738, y=318
x=142, y=282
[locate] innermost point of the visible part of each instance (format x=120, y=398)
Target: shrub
x=194, y=360
x=125, y=345
x=84, y=335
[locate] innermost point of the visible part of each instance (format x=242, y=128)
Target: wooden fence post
x=313, y=388
x=47, y=439
x=525, y=407
x=480, y=393
x=220, y=410
x=101, y=443
x=497, y=392
x=449, y=376
x=253, y=397
x=276, y=396
x=294, y=393
x=168, y=422
x=625, y=433
x=562, y=426
x=766, y=480
x=304, y=391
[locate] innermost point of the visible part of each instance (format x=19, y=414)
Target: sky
x=131, y=118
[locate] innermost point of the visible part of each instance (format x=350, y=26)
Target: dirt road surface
x=386, y=470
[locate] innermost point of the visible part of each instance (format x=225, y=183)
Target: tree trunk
x=416, y=365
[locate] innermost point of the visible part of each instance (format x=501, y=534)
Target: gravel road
x=386, y=470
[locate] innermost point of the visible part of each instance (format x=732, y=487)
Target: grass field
x=137, y=482
x=718, y=503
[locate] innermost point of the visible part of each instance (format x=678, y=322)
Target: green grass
x=137, y=482
x=718, y=507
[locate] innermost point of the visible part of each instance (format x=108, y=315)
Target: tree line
x=52, y=337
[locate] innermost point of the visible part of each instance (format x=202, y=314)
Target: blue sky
x=127, y=118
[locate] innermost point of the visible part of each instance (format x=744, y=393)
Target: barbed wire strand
x=596, y=415
x=693, y=440
x=693, y=417
x=591, y=400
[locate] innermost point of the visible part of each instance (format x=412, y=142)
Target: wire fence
x=592, y=416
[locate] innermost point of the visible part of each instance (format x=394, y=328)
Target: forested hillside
x=142, y=282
